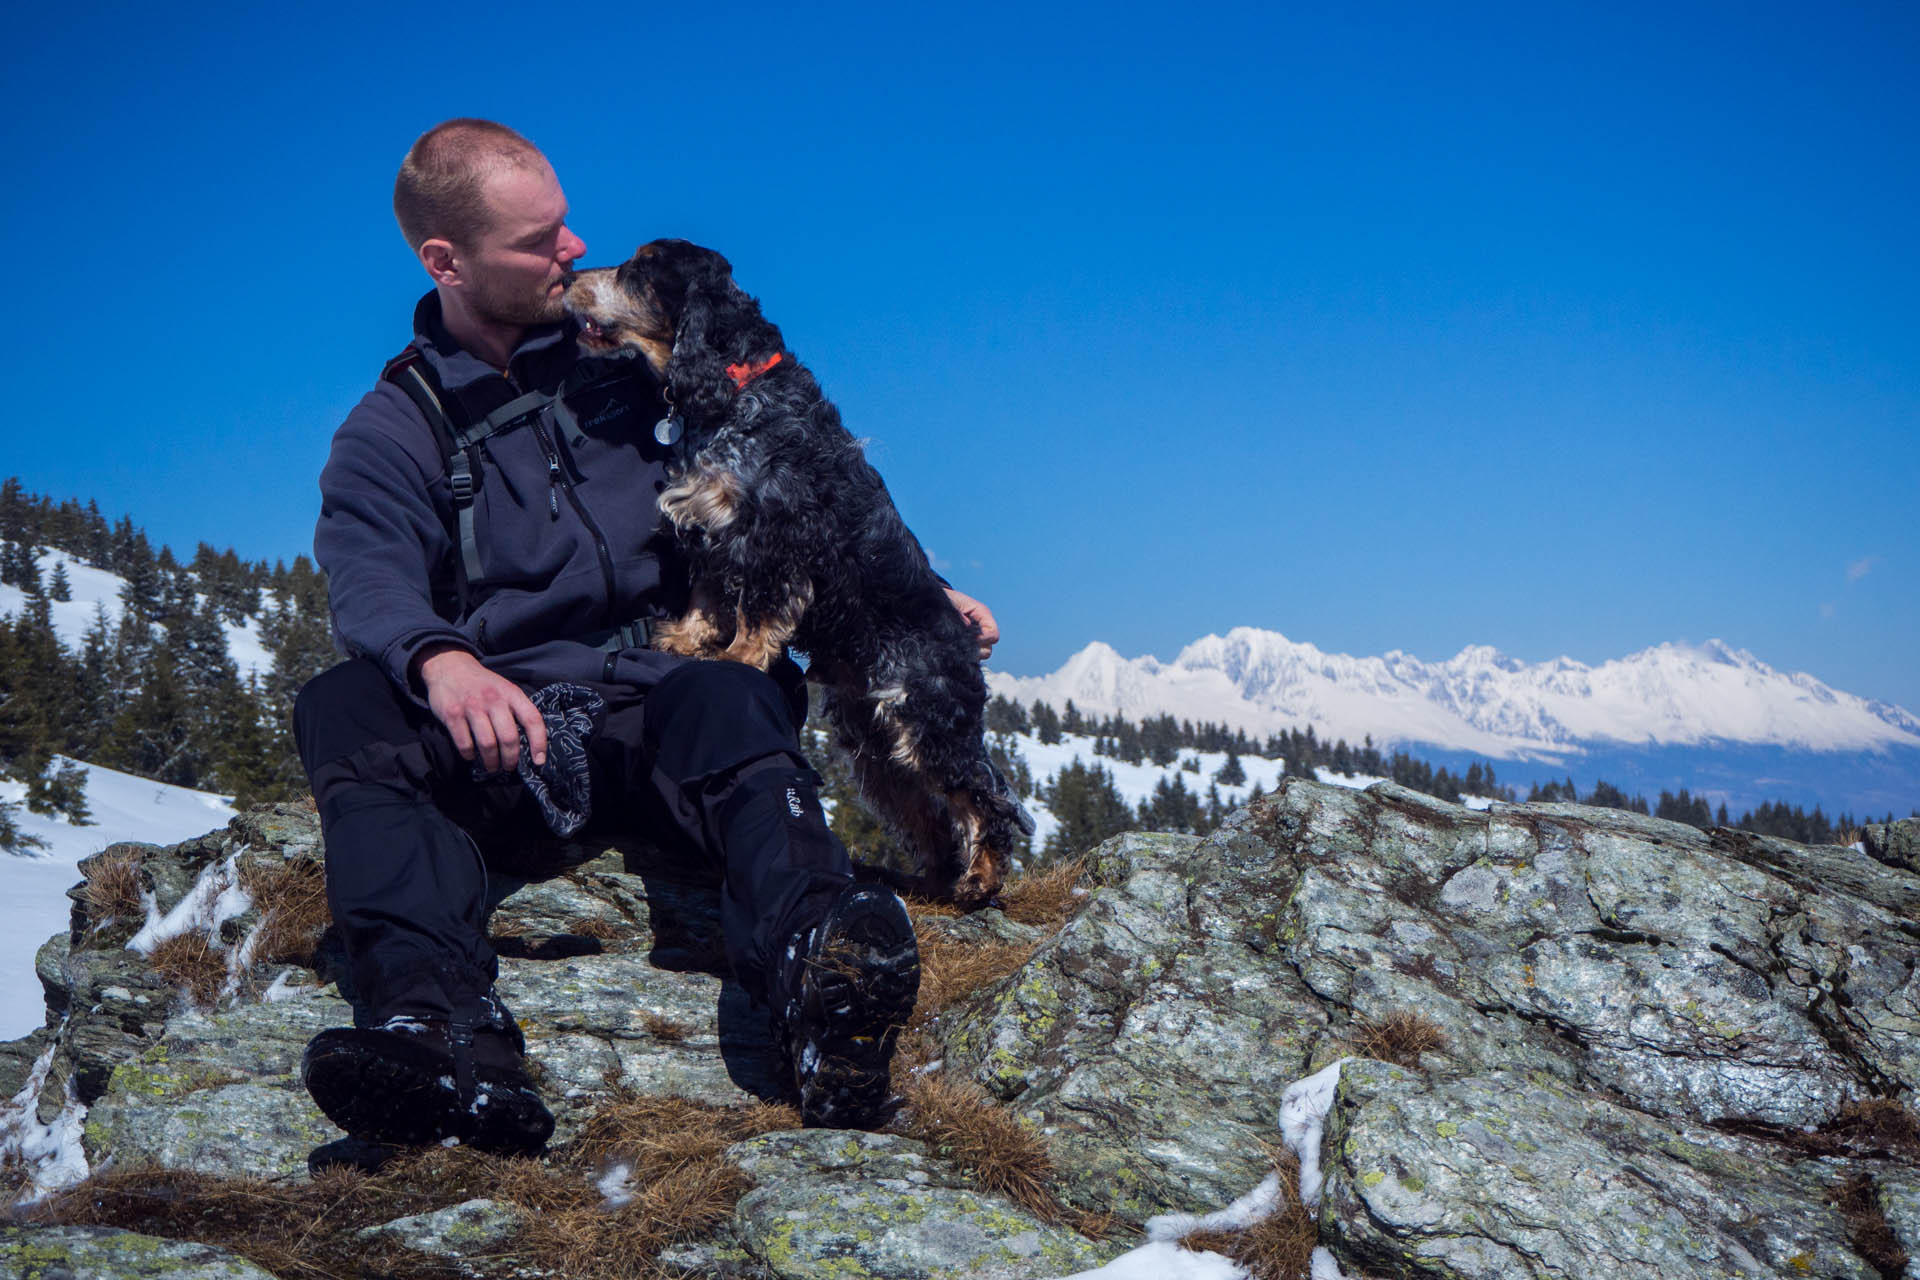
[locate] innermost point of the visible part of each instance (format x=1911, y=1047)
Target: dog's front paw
x=693, y=636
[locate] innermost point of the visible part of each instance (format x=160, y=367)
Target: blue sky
x=1569, y=330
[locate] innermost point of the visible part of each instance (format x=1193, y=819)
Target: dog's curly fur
x=793, y=539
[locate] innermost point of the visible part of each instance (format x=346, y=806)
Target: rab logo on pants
x=793, y=803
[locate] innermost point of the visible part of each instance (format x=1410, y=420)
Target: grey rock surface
x=101, y=1253
x=1644, y=1028
x=1895, y=843
x=1497, y=1176
x=473, y=1231
x=832, y=1205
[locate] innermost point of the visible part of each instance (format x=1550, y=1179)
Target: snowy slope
x=95, y=589
x=33, y=886
x=1479, y=701
x=1136, y=782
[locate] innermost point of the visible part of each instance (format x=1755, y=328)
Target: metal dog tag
x=667, y=430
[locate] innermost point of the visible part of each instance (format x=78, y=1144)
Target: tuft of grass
x=951, y=971
x=1279, y=1246
x=1875, y=1126
x=1400, y=1038
x=113, y=886
x=683, y=1187
x=664, y=1028
x=1046, y=898
x=593, y=927
x=194, y=963
x=1873, y=1238
x=292, y=899
x=961, y=1124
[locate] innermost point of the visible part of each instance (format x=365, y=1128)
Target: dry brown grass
x=1873, y=1238
x=1279, y=1246
x=292, y=898
x=192, y=962
x=961, y=1124
x=113, y=886
x=681, y=1183
x=1875, y=1126
x=593, y=927
x=951, y=971
x=1047, y=898
x=306, y=1231
x=1400, y=1038
x=664, y=1028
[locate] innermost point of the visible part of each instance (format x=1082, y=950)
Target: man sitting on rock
x=495, y=558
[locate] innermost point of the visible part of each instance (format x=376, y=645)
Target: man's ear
x=441, y=261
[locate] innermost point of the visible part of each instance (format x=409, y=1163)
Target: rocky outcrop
x=1624, y=1047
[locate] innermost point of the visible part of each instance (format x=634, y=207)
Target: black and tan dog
x=793, y=539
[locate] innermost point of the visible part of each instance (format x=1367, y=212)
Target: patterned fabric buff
x=561, y=785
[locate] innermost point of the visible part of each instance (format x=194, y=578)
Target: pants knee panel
x=706, y=718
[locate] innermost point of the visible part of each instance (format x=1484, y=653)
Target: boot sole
x=855, y=1003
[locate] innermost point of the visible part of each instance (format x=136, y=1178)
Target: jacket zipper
x=557, y=479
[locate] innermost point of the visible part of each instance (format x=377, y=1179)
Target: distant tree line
x=1775, y=818
x=1090, y=808
x=150, y=689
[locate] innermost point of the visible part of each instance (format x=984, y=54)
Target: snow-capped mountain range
x=1479, y=701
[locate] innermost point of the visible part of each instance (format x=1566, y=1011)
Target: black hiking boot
x=411, y=1081
x=849, y=984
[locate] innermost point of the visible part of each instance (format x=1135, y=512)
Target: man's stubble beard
x=510, y=308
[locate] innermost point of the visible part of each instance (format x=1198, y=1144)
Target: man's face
x=517, y=270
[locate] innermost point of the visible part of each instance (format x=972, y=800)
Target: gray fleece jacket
x=571, y=540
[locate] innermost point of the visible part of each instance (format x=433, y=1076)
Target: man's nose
x=572, y=247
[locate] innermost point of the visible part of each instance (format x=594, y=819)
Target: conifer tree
x=153, y=735
x=1232, y=773
x=59, y=589
x=1088, y=807
x=249, y=760
x=12, y=839
x=1046, y=723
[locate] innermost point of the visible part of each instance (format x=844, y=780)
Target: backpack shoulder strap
x=410, y=372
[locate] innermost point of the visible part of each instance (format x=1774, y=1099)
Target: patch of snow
x=1163, y=1260
x=1324, y=1267
x=52, y=1152
x=1355, y=781
x=1250, y=1208
x=616, y=1186
x=1303, y=1119
x=216, y=897
x=284, y=988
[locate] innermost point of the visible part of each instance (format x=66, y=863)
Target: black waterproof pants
x=707, y=758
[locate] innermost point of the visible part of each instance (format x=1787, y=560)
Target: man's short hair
x=441, y=191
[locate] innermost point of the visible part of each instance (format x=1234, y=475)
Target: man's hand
x=981, y=616
x=483, y=712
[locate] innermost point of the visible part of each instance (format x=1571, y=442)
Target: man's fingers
x=535, y=726
x=506, y=735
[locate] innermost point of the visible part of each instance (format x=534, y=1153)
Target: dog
x=793, y=539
